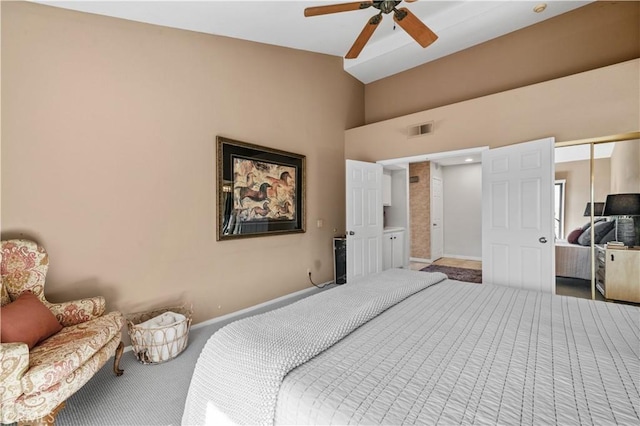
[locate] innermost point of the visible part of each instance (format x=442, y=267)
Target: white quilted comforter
x=238, y=374
x=453, y=353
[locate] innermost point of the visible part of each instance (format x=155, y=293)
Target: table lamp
x=624, y=207
x=597, y=209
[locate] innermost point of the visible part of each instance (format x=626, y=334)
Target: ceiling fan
x=407, y=20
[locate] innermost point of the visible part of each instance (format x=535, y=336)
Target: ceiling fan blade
x=414, y=27
x=364, y=36
x=335, y=8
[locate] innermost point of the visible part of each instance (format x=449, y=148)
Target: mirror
x=614, y=169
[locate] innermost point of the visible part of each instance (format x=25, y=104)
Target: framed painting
x=261, y=190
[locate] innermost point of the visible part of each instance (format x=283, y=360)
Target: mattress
x=573, y=260
x=459, y=353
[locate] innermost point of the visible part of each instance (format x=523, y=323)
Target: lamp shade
x=622, y=205
x=597, y=209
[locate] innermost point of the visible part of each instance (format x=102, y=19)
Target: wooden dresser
x=618, y=273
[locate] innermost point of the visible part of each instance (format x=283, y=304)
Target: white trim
x=562, y=206
x=255, y=307
x=455, y=256
x=420, y=260
x=434, y=156
x=249, y=309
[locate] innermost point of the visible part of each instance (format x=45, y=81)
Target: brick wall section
x=420, y=210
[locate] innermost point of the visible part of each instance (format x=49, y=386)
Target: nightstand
x=618, y=273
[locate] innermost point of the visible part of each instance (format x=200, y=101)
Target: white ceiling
x=583, y=152
x=449, y=158
x=459, y=25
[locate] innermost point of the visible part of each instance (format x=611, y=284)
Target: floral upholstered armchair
x=48, y=350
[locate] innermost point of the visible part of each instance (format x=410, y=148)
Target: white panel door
x=517, y=216
x=364, y=218
x=437, y=212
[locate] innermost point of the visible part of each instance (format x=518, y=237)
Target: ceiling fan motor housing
x=386, y=6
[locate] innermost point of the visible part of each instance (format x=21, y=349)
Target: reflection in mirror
x=559, y=207
x=616, y=170
x=625, y=179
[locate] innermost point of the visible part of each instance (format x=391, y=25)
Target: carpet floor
x=576, y=288
x=146, y=394
x=460, y=274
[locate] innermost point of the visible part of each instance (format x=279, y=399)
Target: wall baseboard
x=455, y=256
x=245, y=311
x=419, y=259
x=256, y=307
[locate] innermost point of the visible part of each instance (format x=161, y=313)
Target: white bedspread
x=238, y=374
x=470, y=354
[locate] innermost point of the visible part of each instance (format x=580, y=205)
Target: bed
x=573, y=255
x=410, y=347
x=573, y=260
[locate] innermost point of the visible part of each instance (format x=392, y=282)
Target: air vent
x=420, y=129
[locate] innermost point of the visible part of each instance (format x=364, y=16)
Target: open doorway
x=444, y=209
x=513, y=212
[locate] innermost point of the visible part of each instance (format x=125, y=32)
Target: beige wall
x=590, y=104
x=577, y=188
x=420, y=210
x=108, y=160
x=593, y=36
x=625, y=167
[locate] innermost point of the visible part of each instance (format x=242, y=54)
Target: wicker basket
x=158, y=344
